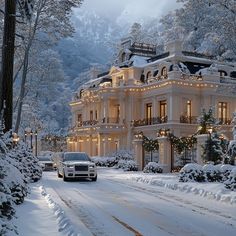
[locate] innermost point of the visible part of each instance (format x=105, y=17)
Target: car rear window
x=76, y=157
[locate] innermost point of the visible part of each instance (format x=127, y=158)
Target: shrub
x=230, y=183
x=123, y=155
x=211, y=172
x=127, y=165
x=225, y=171
x=105, y=161
x=191, y=173
x=153, y=167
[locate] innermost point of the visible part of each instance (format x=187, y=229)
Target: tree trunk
x=6, y=82
x=22, y=90
x=26, y=64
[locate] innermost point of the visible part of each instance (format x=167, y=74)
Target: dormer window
x=222, y=73
x=123, y=59
x=149, y=74
x=164, y=71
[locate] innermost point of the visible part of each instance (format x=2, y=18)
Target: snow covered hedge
x=121, y=159
x=153, y=167
x=191, y=173
x=127, y=165
x=18, y=167
x=211, y=173
x=230, y=183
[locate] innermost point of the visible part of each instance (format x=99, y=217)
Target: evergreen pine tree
x=213, y=151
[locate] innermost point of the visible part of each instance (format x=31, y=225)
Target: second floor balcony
x=149, y=121
x=188, y=119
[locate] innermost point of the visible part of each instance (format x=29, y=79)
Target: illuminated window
x=189, y=108
x=164, y=71
x=91, y=115
x=117, y=113
x=79, y=118
x=149, y=113
x=222, y=112
x=163, y=109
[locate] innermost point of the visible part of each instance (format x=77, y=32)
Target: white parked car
x=76, y=165
x=46, y=163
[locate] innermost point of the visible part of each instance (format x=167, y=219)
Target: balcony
x=225, y=121
x=188, y=119
x=87, y=123
x=111, y=120
x=149, y=121
x=108, y=120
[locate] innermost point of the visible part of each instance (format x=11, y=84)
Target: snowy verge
x=221, y=195
x=64, y=224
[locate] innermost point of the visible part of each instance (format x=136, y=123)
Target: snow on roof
x=139, y=61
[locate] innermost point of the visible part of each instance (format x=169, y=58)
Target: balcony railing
x=87, y=123
x=111, y=120
x=224, y=121
x=149, y=121
x=188, y=119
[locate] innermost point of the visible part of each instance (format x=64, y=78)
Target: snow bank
x=64, y=224
x=219, y=194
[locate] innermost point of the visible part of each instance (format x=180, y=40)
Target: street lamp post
x=36, y=143
x=31, y=139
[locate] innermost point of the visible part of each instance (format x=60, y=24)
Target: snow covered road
x=116, y=206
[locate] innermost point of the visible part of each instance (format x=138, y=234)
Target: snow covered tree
x=207, y=27
x=212, y=149
x=136, y=32
x=50, y=22
x=206, y=121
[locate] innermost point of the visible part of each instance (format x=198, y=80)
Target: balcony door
x=149, y=113
x=163, y=110
x=222, y=112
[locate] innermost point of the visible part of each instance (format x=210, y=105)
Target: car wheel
x=58, y=174
x=95, y=178
x=64, y=177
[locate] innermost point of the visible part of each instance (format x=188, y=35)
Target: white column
x=201, y=139
x=165, y=153
x=154, y=105
x=138, y=153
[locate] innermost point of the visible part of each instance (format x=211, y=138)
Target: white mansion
x=147, y=92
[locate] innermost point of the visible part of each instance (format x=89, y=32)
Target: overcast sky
x=130, y=10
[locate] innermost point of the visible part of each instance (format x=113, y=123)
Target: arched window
x=164, y=71
x=222, y=73
x=149, y=74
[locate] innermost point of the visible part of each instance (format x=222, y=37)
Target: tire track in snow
x=177, y=201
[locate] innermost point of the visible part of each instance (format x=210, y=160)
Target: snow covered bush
x=105, y=161
x=230, y=183
x=18, y=167
x=212, y=173
x=113, y=159
x=191, y=173
x=225, y=171
x=153, y=167
x=123, y=155
x=6, y=204
x=127, y=165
